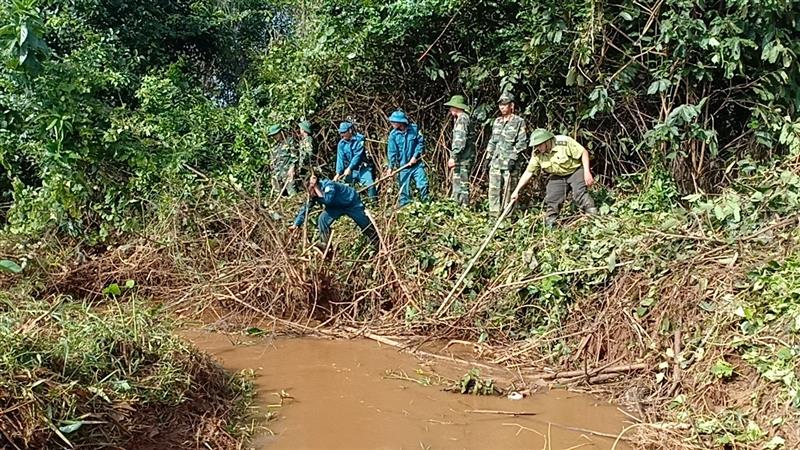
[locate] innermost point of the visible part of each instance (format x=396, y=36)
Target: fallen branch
x=504, y=413
x=404, y=347
x=588, y=373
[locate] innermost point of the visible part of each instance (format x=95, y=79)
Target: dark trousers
x=356, y=213
x=556, y=193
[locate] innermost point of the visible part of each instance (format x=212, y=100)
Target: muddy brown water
x=343, y=399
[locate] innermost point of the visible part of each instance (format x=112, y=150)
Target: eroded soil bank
x=347, y=395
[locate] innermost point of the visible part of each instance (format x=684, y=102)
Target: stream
x=351, y=395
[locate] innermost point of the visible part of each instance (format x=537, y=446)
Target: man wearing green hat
x=505, y=145
x=462, y=150
x=306, y=147
x=283, y=162
x=567, y=163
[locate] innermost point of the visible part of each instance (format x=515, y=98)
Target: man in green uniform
x=507, y=142
x=283, y=162
x=567, y=163
x=462, y=150
x=305, y=148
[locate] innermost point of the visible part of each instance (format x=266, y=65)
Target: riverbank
x=74, y=374
x=677, y=311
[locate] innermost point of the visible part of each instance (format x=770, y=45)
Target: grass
x=76, y=375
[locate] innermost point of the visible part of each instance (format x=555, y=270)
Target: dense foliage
x=110, y=109
x=137, y=117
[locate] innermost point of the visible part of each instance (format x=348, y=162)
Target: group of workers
x=560, y=157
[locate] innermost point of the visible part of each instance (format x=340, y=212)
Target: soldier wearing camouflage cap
x=567, y=164
x=284, y=162
x=305, y=148
x=507, y=142
x=462, y=150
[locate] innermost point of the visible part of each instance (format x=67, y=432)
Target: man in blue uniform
x=338, y=200
x=352, y=164
x=405, y=148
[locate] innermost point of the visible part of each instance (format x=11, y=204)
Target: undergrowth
x=699, y=290
x=76, y=375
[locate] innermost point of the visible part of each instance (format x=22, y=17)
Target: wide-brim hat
x=305, y=126
x=274, y=129
x=540, y=136
x=506, y=97
x=345, y=126
x=398, y=117
x=458, y=101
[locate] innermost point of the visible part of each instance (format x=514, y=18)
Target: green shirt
x=507, y=142
x=283, y=156
x=463, y=148
x=562, y=160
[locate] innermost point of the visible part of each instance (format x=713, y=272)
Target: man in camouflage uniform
x=567, y=163
x=462, y=150
x=305, y=148
x=507, y=142
x=284, y=162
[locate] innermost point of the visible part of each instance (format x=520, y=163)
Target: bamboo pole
x=384, y=178
x=457, y=287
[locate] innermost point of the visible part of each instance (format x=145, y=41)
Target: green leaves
x=114, y=289
x=9, y=266
x=658, y=86
x=722, y=369
x=22, y=37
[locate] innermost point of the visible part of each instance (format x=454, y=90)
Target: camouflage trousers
x=556, y=194
x=501, y=185
x=282, y=182
x=460, y=181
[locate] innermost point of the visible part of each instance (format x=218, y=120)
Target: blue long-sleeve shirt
x=335, y=196
x=404, y=145
x=350, y=154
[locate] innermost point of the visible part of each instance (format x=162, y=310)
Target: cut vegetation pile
x=695, y=299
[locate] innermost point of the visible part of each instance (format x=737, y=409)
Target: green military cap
x=305, y=126
x=457, y=101
x=540, y=136
x=506, y=97
x=274, y=129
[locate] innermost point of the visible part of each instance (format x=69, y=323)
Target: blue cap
x=398, y=117
x=344, y=127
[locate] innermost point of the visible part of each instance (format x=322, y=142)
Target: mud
x=343, y=399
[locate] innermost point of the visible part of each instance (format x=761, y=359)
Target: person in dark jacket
x=339, y=200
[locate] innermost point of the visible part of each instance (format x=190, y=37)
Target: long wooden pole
x=457, y=287
x=383, y=178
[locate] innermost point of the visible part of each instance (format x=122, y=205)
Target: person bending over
x=567, y=164
x=338, y=200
